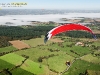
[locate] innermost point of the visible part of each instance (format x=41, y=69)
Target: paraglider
x=65, y=28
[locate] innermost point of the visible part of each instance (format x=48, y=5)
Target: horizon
x=45, y=9
x=55, y=4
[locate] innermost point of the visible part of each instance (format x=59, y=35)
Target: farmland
x=27, y=55
x=53, y=57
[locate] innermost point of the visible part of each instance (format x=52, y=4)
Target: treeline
x=8, y=33
x=79, y=34
x=17, y=32
x=28, y=32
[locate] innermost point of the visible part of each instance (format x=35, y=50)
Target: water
x=24, y=16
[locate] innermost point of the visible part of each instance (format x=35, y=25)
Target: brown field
x=91, y=72
x=96, y=31
x=19, y=44
x=98, y=19
x=75, y=20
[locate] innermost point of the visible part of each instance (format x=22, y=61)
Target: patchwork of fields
x=50, y=58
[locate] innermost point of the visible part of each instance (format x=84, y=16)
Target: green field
x=54, y=57
x=29, y=66
x=35, y=42
x=6, y=49
x=80, y=66
x=57, y=63
x=91, y=58
x=19, y=71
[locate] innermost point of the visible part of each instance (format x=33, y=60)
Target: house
x=79, y=44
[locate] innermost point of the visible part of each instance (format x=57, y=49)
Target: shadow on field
x=5, y=69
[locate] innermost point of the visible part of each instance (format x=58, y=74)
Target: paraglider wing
x=65, y=28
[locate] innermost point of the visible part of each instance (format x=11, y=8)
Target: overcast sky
x=56, y=4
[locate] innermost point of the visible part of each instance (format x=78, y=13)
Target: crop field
x=50, y=58
x=29, y=66
x=19, y=44
x=6, y=49
x=91, y=58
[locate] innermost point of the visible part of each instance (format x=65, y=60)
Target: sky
x=55, y=4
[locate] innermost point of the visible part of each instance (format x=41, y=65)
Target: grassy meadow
x=6, y=49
